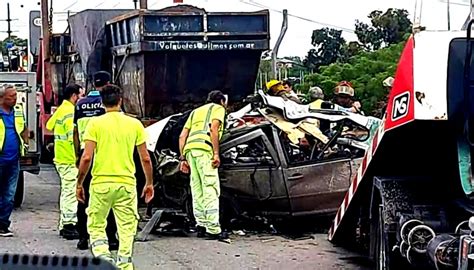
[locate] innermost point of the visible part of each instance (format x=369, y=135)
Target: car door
x=317, y=187
x=251, y=172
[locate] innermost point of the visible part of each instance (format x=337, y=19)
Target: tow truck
x=411, y=203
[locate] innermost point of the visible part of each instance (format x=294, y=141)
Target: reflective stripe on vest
x=61, y=121
x=60, y=133
x=19, y=127
x=200, y=138
x=63, y=127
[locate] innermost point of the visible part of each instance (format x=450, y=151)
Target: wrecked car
x=277, y=160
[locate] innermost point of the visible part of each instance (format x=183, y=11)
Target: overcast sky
x=305, y=15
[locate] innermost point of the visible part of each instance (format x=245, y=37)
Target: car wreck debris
x=279, y=159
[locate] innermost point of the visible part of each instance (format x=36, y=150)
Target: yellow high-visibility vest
x=200, y=129
x=316, y=105
x=62, y=124
x=19, y=127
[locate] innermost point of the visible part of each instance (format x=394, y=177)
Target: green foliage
x=386, y=28
x=366, y=71
x=365, y=63
x=328, y=48
x=16, y=41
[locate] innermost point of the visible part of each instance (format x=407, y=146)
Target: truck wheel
x=20, y=190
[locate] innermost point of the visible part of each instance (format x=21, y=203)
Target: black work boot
x=201, y=231
x=69, y=232
x=222, y=237
x=5, y=232
x=83, y=244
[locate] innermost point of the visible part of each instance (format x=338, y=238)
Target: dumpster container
x=167, y=60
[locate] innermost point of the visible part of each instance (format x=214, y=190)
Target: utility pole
x=45, y=29
x=472, y=9
x=284, y=27
x=9, y=33
x=143, y=4
x=449, y=15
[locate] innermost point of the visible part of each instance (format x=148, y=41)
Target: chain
x=50, y=22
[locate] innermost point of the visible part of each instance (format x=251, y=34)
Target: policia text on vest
x=113, y=184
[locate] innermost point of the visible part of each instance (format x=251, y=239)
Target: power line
x=118, y=3
x=455, y=3
x=71, y=5
x=256, y=4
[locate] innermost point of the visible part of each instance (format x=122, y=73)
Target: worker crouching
x=199, y=148
x=113, y=184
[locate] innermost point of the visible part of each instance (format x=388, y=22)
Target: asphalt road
x=35, y=228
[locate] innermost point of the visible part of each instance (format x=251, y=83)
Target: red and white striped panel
x=357, y=178
x=395, y=116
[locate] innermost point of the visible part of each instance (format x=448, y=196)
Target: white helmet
x=388, y=82
x=315, y=92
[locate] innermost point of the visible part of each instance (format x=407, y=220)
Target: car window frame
x=252, y=135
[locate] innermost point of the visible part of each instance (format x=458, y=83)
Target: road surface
x=35, y=228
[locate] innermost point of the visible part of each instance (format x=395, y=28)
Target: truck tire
x=20, y=190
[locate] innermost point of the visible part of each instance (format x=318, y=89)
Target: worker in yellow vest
x=87, y=108
x=13, y=141
x=61, y=123
x=113, y=184
x=316, y=97
x=199, y=149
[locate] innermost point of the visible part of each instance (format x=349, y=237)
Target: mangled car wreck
x=277, y=160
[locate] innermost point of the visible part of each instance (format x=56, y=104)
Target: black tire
x=20, y=190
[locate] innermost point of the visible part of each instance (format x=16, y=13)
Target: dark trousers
x=111, y=229
x=8, y=181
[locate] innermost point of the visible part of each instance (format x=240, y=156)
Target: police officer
x=86, y=108
x=199, y=148
x=13, y=141
x=61, y=123
x=113, y=184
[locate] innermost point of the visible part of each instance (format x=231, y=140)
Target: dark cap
x=215, y=96
x=101, y=78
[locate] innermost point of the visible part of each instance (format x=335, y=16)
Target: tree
x=386, y=28
x=296, y=67
x=328, y=48
x=16, y=42
x=366, y=71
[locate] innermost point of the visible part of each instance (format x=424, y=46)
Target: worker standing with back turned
x=199, y=148
x=86, y=109
x=61, y=123
x=113, y=184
